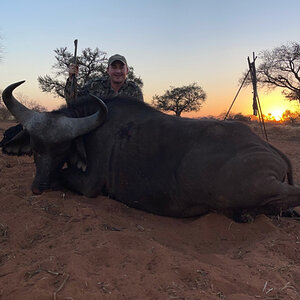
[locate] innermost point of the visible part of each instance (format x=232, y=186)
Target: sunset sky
x=168, y=42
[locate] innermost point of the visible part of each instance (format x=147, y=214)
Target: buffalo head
x=48, y=135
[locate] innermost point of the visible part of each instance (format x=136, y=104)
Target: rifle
x=74, y=79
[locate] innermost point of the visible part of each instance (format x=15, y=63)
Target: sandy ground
x=65, y=246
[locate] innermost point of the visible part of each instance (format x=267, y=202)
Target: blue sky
x=169, y=43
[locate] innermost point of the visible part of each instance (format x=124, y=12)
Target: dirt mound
x=65, y=246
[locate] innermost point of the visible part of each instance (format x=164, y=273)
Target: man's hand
x=73, y=70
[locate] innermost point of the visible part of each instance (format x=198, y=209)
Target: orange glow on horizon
x=275, y=115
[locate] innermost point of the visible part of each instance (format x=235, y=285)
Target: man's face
x=117, y=72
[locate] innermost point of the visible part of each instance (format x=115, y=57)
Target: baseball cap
x=117, y=57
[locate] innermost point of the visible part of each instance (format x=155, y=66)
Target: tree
x=290, y=117
x=180, y=99
x=280, y=67
x=92, y=64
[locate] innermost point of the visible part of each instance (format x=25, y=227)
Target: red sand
x=66, y=246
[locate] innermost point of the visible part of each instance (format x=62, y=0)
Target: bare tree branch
x=280, y=67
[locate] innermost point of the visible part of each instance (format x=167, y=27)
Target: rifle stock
x=74, y=79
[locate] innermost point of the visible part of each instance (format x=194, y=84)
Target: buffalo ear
x=18, y=145
x=78, y=154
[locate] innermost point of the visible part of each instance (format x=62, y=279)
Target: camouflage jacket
x=101, y=88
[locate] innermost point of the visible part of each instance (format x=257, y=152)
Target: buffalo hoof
x=36, y=191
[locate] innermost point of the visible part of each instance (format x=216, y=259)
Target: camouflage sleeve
x=89, y=87
x=80, y=91
x=67, y=91
x=135, y=91
x=139, y=94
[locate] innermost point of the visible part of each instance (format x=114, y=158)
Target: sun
x=277, y=114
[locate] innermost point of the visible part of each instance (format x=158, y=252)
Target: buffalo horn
x=83, y=125
x=74, y=127
x=68, y=128
x=17, y=109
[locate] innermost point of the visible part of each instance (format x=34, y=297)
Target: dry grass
x=286, y=132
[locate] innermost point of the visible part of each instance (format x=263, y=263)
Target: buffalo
x=171, y=166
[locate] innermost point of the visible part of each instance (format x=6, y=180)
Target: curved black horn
x=84, y=125
x=74, y=127
x=102, y=104
x=67, y=128
x=17, y=109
